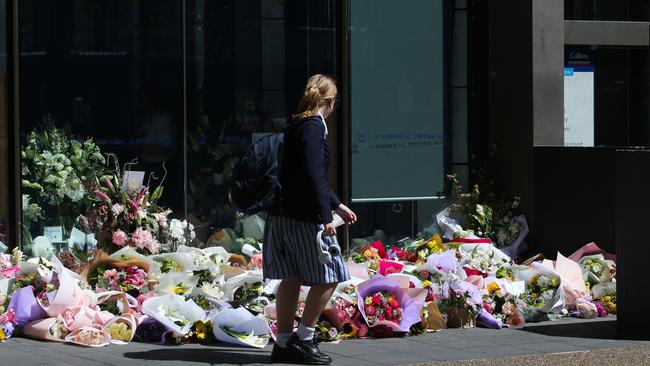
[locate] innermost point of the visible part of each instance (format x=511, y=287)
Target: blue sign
x=568, y=71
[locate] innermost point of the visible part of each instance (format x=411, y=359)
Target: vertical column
x=526, y=43
x=548, y=72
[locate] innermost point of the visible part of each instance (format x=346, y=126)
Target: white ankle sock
x=282, y=338
x=305, y=333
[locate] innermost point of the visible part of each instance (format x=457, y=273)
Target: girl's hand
x=346, y=214
x=330, y=229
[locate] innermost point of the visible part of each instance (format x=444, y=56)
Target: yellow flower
x=607, y=298
x=119, y=331
x=534, y=295
x=435, y=244
x=426, y=283
x=555, y=282
x=2, y=335
x=492, y=287
x=368, y=300
x=367, y=253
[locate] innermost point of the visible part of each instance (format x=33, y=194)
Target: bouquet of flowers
x=404, y=304
x=382, y=306
x=126, y=275
x=595, y=269
x=7, y=324
x=179, y=233
x=461, y=303
x=131, y=218
x=173, y=311
x=482, y=258
x=423, y=249
x=543, y=294
x=51, y=329
x=240, y=327
x=121, y=329
x=179, y=283
x=58, y=171
x=89, y=336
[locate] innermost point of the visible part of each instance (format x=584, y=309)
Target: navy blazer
x=305, y=194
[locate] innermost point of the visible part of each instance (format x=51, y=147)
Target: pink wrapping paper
x=40, y=329
x=106, y=338
x=410, y=299
x=129, y=320
x=68, y=294
x=590, y=249
x=77, y=317
x=10, y=272
x=387, y=267
x=572, y=281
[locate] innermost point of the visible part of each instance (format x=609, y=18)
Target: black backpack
x=254, y=185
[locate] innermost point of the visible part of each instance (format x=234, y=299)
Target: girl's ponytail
x=319, y=89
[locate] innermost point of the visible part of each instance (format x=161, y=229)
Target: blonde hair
x=320, y=89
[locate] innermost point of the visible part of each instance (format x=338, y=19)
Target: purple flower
x=444, y=262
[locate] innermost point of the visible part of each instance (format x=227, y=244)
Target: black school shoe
x=300, y=352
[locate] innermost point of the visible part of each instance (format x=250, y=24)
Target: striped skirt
x=291, y=249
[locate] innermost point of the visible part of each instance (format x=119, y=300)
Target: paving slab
x=578, y=340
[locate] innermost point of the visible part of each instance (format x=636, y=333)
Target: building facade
x=427, y=89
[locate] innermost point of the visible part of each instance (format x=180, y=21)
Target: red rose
x=394, y=303
x=411, y=284
x=430, y=297
x=474, y=272
x=376, y=300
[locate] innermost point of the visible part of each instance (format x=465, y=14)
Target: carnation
x=142, y=238
x=120, y=238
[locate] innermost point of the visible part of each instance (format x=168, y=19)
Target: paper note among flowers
x=132, y=180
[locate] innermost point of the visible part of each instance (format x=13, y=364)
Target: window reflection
x=111, y=70
x=4, y=148
x=248, y=61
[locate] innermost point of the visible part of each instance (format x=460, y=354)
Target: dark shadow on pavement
x=596, y=330
x=235, y=355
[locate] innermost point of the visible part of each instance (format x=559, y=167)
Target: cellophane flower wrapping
x=482, y=257
x=89, y=336
x=177, y=314
x=409, y=300
x=595, y=269
x=26, y=306
x=240, y=327
x=544, y=294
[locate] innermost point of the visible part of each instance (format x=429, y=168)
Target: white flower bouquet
x=595, y=269
x=482, y=257
x=174, y=312
x=239, y=326
x=544, y=293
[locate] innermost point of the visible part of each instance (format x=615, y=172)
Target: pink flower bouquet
x=405, y=303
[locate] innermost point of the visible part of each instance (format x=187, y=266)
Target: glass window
x=612, y=10
x=4, y=147
x=248, y=62
x=110, y=70
x=621, y=83
x=397, y=120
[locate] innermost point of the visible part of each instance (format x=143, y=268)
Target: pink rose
x=142, y=238
x=120, y=238
x=256, y=260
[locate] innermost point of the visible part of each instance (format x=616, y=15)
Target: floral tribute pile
x=193, y=295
